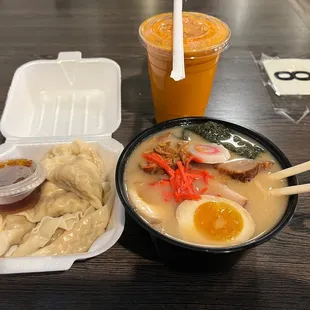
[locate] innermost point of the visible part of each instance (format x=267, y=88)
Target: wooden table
x=275, y=275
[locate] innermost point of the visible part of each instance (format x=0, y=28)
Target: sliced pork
x=216, y=188
x=243, y=170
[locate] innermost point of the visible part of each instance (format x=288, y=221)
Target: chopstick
x=290, y=190
x=291, y=171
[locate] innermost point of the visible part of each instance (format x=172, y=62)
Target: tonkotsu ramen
x=205, y=185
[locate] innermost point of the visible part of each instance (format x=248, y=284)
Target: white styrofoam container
x=55, y=101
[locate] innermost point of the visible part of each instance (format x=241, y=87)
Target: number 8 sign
x=297, y=75
x=289, y=76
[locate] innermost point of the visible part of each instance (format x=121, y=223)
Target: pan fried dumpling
x=78, y=239
x=81, y=177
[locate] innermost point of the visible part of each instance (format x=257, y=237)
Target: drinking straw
x=178, y=68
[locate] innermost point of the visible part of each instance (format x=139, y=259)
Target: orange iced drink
x=205, y=38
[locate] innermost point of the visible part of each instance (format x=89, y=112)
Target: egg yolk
x=218, y=221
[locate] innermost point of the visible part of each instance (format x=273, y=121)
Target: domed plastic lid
x=203, y=34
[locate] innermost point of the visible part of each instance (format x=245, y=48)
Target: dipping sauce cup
x=205, y=38
x=20, y=179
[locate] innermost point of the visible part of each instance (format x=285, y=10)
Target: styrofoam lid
x=69, y=96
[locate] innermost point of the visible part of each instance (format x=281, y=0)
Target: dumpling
x=56, y=235
x=74, y=207
x=62, y=153
x=54, y=202
x=14, y=229
x=2, y=222
x=42, y=233
x=49, y=189
x=84, y=150
x=56, y=205
x=52, y=163
x=81, y=177
x=78, y=239
x=60, y=150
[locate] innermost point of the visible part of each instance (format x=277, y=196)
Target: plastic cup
x=19, y=184
x=205, y=38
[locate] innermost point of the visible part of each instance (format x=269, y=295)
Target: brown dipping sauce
x=12, y=172
x=27, y=203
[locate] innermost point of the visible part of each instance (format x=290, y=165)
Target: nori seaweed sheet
x=218, y=133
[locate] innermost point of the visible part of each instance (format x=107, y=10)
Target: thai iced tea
x=205, y=38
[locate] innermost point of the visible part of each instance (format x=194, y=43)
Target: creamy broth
x=265, y=210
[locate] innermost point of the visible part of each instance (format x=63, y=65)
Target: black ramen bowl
x=184, y=256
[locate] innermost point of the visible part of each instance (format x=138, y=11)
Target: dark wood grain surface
x=275, y=275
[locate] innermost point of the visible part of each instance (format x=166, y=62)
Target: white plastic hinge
x=70, y=56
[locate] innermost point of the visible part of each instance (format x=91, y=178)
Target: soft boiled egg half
x=214, y=221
